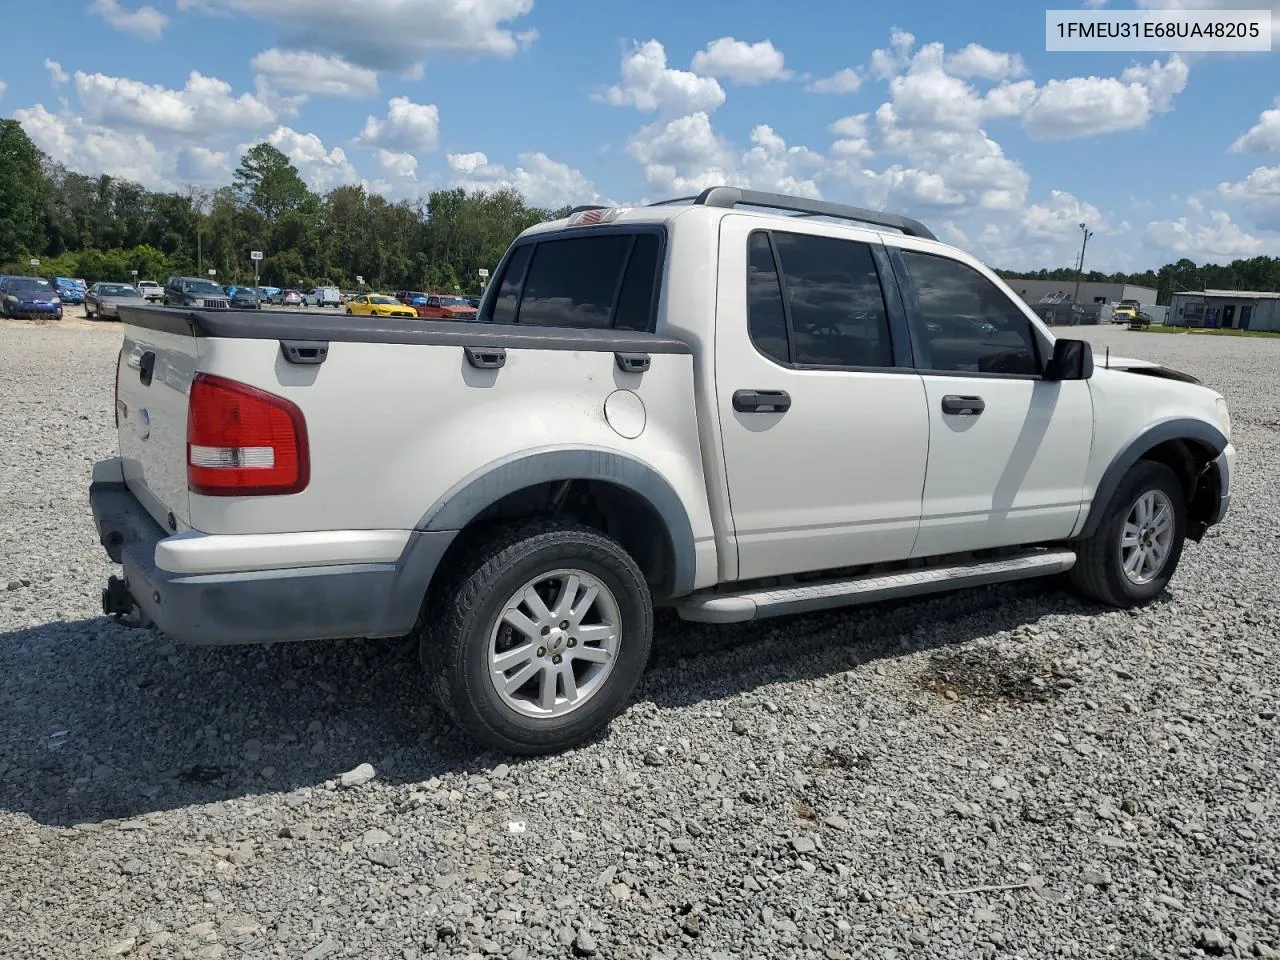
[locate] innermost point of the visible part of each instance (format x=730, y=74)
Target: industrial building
x=1245, y=309
x=1052, y=299
x=1036, y=292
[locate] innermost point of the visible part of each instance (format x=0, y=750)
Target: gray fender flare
x=1178, y=428
x=489, y=484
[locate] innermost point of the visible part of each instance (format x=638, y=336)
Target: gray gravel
x=1008, y=773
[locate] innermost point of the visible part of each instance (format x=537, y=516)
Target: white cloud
x=686, y=155
x=1259, y=193
x=542, y=181
x=847, y=80
x=3, y=87
x=741, y=62
x=311, y=73
x=404, y=166
x=198, y=164
x=1060, y=218
x=853, y=142
x=886, y=63
x=976, y=60
x=407, y=126
x=1263, y=136
x=1217, y=239
x=93, y=149
x=388, y=34
x=205, y=106
x=322, y=169
x=649, y=85
x=57, y=76
x=1088, y=106
x=145, y=23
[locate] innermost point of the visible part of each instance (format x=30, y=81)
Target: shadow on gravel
x=101, y=722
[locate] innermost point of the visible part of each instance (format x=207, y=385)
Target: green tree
x=23, y=193
x=268, y=182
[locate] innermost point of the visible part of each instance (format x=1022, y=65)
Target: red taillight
x=242, y=441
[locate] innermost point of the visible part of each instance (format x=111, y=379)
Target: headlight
x=11, y=298
x=55, y=301
x=1224, y=418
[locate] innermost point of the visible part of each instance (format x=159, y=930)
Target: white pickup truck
x=740, y=405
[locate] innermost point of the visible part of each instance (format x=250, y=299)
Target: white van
x=322, y=297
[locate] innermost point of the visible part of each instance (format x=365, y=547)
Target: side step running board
x=782, y=601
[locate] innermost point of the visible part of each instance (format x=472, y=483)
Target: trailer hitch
x=119, y=605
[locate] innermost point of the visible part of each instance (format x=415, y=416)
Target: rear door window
x=601, y=282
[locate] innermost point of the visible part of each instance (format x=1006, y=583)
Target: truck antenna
x=1108, y=358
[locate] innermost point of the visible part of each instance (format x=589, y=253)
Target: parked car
x=244, y=298
x=291, y=298
x=440, y=307
x=29, y=297
x=377, y=305
x=151, y=291
x=102, y=301
x=1140, y=321
x=195, y=292
x=322, y=297
x=411, y=298
x=69, y=289
x=272, y=295
x=642, y=418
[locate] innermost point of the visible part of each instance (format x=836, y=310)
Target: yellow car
x=378, y=305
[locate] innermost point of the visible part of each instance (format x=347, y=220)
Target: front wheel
x=1133, y=554
x=540, y=637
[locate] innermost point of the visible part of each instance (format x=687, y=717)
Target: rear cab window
x=598, y=280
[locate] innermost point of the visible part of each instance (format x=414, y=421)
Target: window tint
x=835, y=304
x=969, y=324
x=834, y=312
x=597, y=282
x=504, y=304
x=572, y=282
x=765, y=318
x=635, y=301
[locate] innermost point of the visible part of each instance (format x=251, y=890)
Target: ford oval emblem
x=145, y=417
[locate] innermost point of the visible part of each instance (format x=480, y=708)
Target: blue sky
x=950, y=111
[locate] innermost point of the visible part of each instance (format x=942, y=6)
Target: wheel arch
x=617, y=493
x=1185, y=445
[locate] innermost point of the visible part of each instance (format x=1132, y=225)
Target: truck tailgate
x=155, y=375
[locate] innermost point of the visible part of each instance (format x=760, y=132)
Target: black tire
x=457, y=620
x=1098, y=573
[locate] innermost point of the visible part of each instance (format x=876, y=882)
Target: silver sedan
x=103, y=300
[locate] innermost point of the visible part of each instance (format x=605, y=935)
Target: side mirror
x=1071, y=360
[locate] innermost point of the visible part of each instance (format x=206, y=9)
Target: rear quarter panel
x=392, y=428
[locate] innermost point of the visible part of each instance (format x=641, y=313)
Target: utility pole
x=1080, y=266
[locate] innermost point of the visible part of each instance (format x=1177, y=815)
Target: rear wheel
x=540, y=637
x=1130, y=558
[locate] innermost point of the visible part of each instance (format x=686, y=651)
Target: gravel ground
x=1005, y=773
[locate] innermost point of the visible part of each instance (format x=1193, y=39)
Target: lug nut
x=556, y=658
x=545, y=631
x=564, y=624
x=542, y=651
x=573, y=641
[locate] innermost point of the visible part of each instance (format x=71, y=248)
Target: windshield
x=387, y=300
x=29, y=285
x=116, y=290
x=147, y=283
x=454, y=302
x=202, y=286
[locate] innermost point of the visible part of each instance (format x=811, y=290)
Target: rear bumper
x=371, y=599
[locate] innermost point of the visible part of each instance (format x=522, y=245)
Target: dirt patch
x=988, y=674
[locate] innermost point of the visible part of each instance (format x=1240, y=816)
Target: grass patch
x=1212, y=332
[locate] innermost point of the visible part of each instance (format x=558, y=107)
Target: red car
x=440, y=307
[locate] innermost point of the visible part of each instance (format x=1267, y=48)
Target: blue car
x=29, y=297
x=69, y=289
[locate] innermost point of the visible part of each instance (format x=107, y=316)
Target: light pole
x=256, y=257
x=1075, y=297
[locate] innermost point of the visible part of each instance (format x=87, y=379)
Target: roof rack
x=730, y=197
